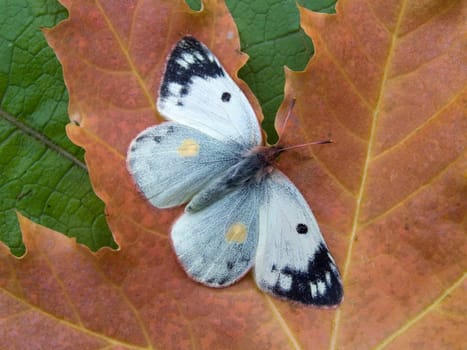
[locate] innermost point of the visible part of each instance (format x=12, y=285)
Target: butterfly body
x=252, y=168
x=241, y=211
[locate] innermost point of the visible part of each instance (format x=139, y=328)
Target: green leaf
x=43, y=173
x=271, y=35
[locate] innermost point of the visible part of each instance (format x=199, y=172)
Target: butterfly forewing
x=197, y=91
x=171, y=162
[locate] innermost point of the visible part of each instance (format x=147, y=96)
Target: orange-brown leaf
x=387, y=83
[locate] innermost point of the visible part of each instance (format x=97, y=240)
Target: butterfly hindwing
x=292, y=259
x=171, y=162
x=197, y=91
x=216, y=246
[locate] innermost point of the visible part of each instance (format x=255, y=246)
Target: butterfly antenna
x=289, y=113
x=320, y=142
x=284, y=124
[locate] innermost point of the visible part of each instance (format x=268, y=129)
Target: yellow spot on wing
x=236, y=233
x=188, y=148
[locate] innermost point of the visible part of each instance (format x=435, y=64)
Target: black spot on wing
x=217, y=281
x=141, y=138
x=302, y=228
x=157, y=135
x=223, y=281
x=300, y=289
x=132, y=162
x=189, y=59
x=226, y=97
x=170, y=129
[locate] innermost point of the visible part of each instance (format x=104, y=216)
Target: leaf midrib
x=26, y=129
x=368, y=158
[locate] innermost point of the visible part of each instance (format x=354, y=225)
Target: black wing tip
x=320, y=285
x=315, y=293
x=188, y=59
x=190, y=40
x=317, y=303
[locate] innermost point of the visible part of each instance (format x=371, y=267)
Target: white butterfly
x=241, y=211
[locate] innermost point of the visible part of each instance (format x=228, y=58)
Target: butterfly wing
x=197, y=91
x=171, y=162
x=292, y=260
x=216, y=246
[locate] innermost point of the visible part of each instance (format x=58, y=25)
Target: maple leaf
x=32, y=139
x=388, y=194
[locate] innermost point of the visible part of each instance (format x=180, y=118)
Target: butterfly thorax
x=262, y=159
x=252, y=168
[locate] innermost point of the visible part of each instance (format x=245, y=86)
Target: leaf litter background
x=387, y=83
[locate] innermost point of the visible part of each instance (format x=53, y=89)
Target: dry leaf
x=387, y=82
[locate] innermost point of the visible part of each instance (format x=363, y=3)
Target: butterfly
x=241, y=211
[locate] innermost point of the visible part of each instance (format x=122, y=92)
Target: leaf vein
x=437, y=14
x=42, y=139
x=387, y=65
x=128, y=58
x=414, y=320
x=413, y=194
x=282, y=323
x=420, y=127
x=347, y=78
